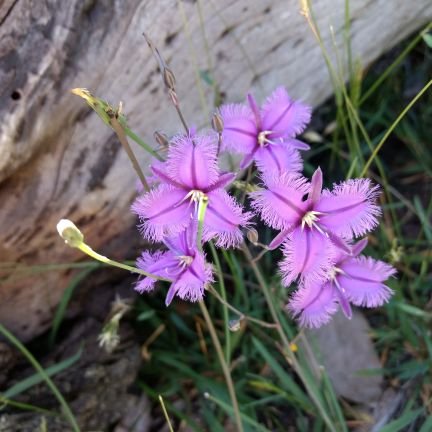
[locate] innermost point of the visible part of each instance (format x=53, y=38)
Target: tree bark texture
x=58, y=159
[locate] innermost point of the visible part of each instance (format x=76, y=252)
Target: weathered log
x=57, y=159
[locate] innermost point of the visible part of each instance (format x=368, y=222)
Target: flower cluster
x=169, y=214
x=317, y=227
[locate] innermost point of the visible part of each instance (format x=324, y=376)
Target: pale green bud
x=70, y=233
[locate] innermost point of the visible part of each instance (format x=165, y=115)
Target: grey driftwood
x=57, y=158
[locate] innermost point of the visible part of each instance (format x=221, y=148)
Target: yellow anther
x=310, y=219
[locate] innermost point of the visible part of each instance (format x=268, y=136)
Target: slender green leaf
x=427, y=37
x=285, y=379
x=427, y=425
x=67, y=295
x=35, y=379
x=67, y=411
x=229, y=410
x=404, y=420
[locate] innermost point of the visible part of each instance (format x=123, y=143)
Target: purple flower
x=353, y=279
x=182, y=263
x=189, y=175
x=312, y=228
x=266, y=135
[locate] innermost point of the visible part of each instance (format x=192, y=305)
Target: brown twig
x=118, y=129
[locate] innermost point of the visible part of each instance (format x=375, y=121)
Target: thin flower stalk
x=224, y=365
x=287, y=351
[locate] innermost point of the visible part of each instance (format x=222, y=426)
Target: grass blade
x=67, y=411
x=67, y=295
x=284, y=377
x=37, y=378
x=404, y=420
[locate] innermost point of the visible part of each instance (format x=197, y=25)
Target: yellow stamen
x=310, y=219
x=185, y=260
x=334, y=271
x=262, y=138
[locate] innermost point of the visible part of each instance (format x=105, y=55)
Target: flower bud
x=252, y=236
x=70, y=233
x=217, y=123
x=161, y=139
x=169, y=78
x=174, y=98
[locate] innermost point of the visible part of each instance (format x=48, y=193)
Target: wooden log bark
x=57, y=158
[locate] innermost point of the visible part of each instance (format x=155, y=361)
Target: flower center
x=185, y=261
x=333, y=273
x=310, y=219
x=263, y=141
x=195, y=196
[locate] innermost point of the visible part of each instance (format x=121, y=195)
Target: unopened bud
x=169, y=78
x=174, y=98
x=252, y=236
x=161, y=139
x=217, y=123
x=70, y=233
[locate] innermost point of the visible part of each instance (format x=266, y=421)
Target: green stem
x=25, y=407
x=223, y=299
x=166, y=414
x=144, y=145
x=392, y=127
x=224, y=365
x=67, y=411
x=90, y=252
x=239, y=313
x=121, y=135
x=396, y=63
x=288, y=352
x=202, y=207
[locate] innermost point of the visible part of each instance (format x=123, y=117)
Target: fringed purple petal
x=159, y=263
x=170, y=295
x=255, y=110
x=178, y=244
x=162, y=211
x=314, y=304
x=296, y=144
x=247, y=160
x=191, y=283
x=341, y=244
x=162, y=176
x=281, y=205
x=344, y=303
x=284, y=116
x=308, y=254
x=350, y=208
x=240, y=131
x=224, y=218
x=278, y=159
x=279, y=239
x=316, y=186
x=190, y=237
x=362, y=279
x=192, y=161
x=224, y=180
x=358, y=248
